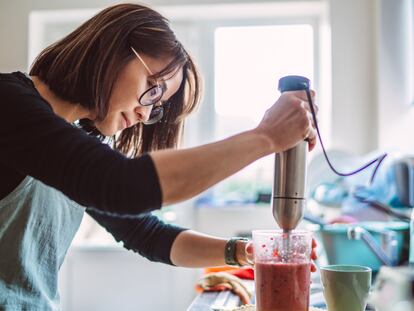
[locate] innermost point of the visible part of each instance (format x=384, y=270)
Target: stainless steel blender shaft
x=289, y=186
x=290, y=171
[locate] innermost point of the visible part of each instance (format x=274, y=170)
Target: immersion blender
x=290, y=174
x=290, y=170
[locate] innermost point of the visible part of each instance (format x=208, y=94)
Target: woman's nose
x=143, y=113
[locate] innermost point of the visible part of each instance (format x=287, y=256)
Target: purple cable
x=379, y=159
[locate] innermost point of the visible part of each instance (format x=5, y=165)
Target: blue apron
x=37, y=225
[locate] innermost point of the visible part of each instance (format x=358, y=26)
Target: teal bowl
x=341, y=250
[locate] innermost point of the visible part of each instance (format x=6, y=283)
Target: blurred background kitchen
x=359, y=56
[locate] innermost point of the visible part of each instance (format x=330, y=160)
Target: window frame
x=201, y=126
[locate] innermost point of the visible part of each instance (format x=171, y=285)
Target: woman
x=121, y=75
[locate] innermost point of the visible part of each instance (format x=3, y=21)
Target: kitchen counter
x=207, y=301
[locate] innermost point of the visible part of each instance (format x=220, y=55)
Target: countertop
x=205, y=301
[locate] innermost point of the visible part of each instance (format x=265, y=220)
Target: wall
x=395, y=75
x=354, y=122
x=372, y=75
x=13, y=35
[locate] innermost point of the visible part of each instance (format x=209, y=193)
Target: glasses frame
x=157, y=111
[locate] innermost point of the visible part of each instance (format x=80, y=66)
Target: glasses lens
x=151, y=96
x=156, y=115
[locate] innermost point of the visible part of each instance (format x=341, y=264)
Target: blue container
x=341, y=250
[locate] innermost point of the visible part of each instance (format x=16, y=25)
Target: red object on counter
x=243, y=273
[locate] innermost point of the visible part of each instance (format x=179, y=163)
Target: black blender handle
x=293, y=83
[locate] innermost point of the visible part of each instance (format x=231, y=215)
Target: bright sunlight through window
x=249, y=62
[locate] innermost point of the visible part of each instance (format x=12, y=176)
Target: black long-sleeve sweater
x=35, y=141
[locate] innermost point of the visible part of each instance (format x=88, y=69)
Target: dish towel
x=220, y=281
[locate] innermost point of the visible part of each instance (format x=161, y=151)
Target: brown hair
x=83, y=67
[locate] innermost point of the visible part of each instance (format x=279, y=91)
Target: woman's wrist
x=234, y=252
x=268, y=144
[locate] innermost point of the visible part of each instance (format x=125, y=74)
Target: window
x=243, y=50
x=248, y=62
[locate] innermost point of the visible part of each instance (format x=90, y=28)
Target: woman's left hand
x=245, y=254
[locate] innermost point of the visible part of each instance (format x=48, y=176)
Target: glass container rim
x=296, y=232
x=346, y=268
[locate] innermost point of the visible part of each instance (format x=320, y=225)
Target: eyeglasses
x=152, y=97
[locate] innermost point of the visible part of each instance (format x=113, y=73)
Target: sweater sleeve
x=35, y=141
x=146, y=235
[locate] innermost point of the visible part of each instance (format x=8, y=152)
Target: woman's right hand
x=289, y=121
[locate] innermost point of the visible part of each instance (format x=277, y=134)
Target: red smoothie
x=282, y=286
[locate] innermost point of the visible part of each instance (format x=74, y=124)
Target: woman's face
x=124, y=108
